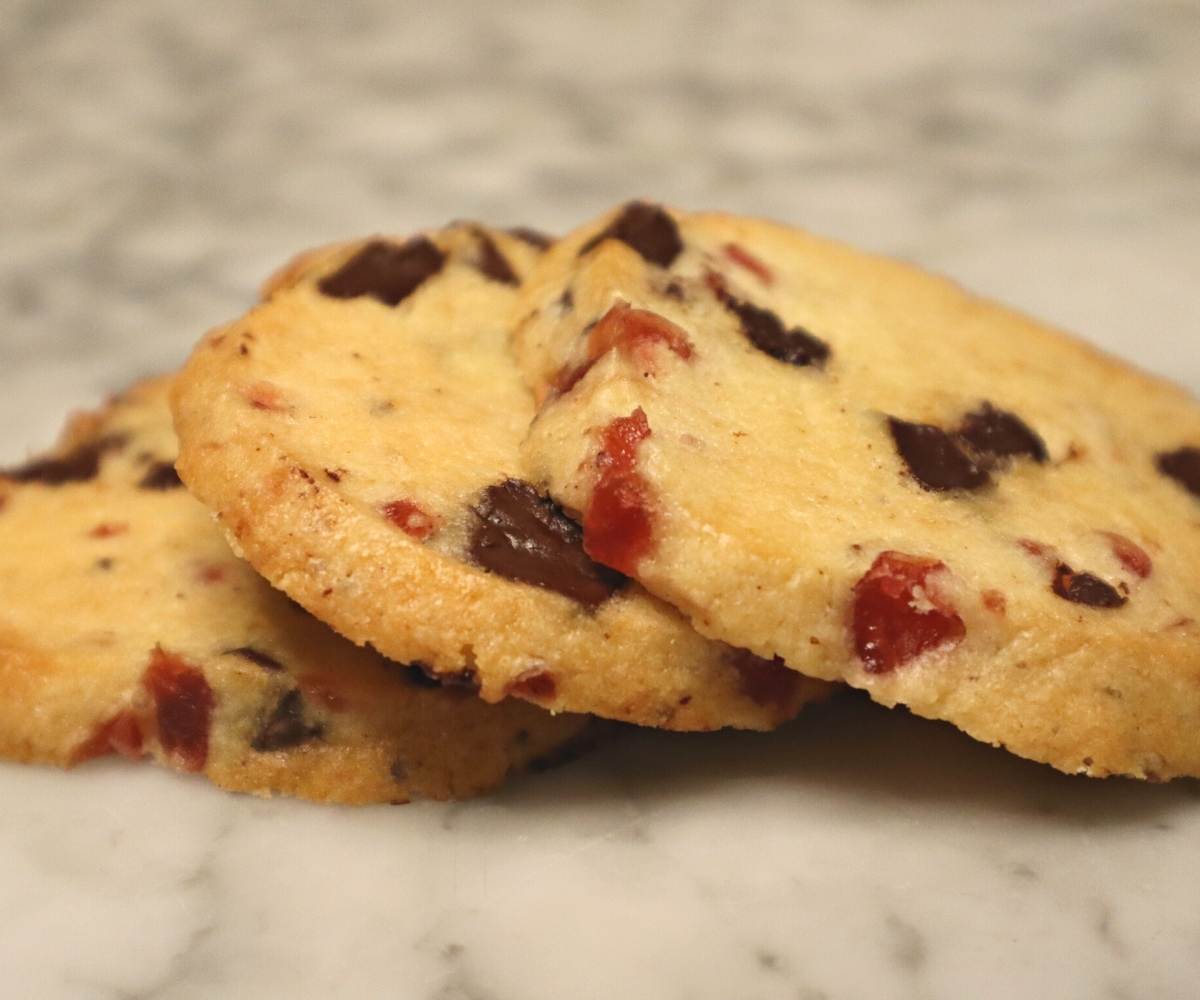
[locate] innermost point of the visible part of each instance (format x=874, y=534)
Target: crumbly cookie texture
x=839, y=460
x=128, y=626
x=358, y=434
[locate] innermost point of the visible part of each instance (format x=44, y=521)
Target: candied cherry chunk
x=616, y=526
x=121, y=734
x=634, y=333
x=183, y=703
x=410, y=518
x=744, y=258
x=1130, y=555
x=898, y=613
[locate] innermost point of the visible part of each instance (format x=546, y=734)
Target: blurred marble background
x=159, y=157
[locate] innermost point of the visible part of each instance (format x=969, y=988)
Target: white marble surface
x=158, y=158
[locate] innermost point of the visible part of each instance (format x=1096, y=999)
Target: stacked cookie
x=676, y=470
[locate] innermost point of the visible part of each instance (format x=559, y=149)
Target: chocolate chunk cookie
x=128, y=626
x=358, y=435
x=841, y=461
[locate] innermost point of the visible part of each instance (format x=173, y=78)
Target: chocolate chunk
x=385, y=271
x=766, y=682
x=1084, y=588
x=534, y=237
x=521, y=535
x=766, y=331
x=647, y=229
x=492, y=263
x=423, y=675
x=934, y=457
x=1182, y=465
x=256, y=656
x=995, y=433
x=161, y=476
x=77, y=466
x=285, y=727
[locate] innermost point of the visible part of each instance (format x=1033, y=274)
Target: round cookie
x=842, y=461
x=127, y=625
x=358, y=434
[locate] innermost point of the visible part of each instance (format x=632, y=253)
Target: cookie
x=128, y=626
x=839, y=460
x=358, y=434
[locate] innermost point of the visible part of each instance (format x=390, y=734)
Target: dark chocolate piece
x=422, y=675
x=1084, y=588
x=161, y=476
x=79, y=465
x=492, y=263
x=534, y=237
x=934, y=457
x=995, y=433
x=521, y=535
x=1182, y=465
x=385, y=271
x=647, y=229
x=256, y=656
x=286, y=727
x=766, y=331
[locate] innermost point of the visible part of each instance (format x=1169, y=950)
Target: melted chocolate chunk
x=766, y=331
x=534, y=237
x=1182, y=465
x=492, y=263
x=161, y=476
x=286, y=727
x=256, y=656
x=994, y=433
x=1084, y=588
x=385, y=271
x=77, y=466
x=934, y=457
x=647, y=229
x=521, y=535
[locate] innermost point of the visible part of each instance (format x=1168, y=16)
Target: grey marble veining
x=159, y=158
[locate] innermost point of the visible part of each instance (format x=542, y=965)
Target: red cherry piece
x=121, y=734
x=898, y=613
x=184, y=705
x=743, y=258
x=1132, y=556
x=617, y=524
x=410, y=518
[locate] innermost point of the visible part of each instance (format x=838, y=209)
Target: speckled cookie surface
x=127, y=625
x=358, y=434
x=842, y=461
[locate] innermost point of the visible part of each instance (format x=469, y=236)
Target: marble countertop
x=160, y=158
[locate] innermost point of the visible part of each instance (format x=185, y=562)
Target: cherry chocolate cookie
x=841, y=461
x=358, y=434
x=128, y=626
